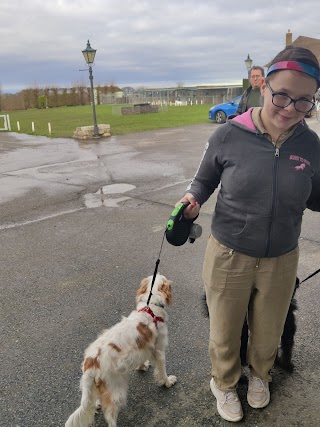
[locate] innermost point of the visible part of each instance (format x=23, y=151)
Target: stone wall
x=86, y=132
x=139, y=109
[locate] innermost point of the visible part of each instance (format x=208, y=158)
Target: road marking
x=170, y=185
x=20, y=224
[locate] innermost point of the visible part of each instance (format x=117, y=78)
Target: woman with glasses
x=267, y=162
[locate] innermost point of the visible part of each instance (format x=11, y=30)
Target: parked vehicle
x=220, y=112
x=310, y=113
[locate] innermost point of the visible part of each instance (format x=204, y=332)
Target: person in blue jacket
x=267, y=162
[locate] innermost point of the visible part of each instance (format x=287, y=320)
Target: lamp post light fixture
x=245, y=82
x=89, y=55
x=248, y=63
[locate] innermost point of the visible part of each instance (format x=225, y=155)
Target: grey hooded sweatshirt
x=264, y=190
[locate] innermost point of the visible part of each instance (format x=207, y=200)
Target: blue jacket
x=264, y=190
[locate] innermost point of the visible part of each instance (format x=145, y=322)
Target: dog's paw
x=166, y=381
x=170, y=381
x=284, y=362
x=144, y=367
x=285, y=365
x=289, y=368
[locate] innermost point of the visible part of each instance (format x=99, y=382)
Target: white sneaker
x=228, y=403
x=258, y=392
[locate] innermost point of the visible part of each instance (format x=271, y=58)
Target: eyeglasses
x=282, y=100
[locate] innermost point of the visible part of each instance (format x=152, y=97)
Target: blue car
x=220, y=112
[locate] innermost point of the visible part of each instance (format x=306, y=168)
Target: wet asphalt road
x=80, y=225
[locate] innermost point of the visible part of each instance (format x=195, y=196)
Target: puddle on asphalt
x=100, y=198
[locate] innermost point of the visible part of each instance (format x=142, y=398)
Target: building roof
x=306, y=42
x=309, y=43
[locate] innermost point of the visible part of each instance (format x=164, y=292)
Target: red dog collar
x=156, y=319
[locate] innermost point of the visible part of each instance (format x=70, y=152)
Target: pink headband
x=296, y=66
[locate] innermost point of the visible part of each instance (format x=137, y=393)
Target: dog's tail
x=84, y=415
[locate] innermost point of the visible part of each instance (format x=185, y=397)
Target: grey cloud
x=145, y=41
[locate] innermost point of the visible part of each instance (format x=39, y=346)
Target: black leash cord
x=311, y=275
x=155, y=270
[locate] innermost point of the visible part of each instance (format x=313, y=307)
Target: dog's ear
x=165, y=288
x=143, y=288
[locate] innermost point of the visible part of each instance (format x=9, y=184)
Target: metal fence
x=183, y=96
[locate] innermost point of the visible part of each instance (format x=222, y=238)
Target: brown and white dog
x=136, y=342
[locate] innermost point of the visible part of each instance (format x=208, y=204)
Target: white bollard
x=8, y=122
x=18, y=126
x=49, y=128
x=32, y=126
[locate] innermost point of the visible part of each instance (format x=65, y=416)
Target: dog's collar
x=155, y=318
x=158, y=304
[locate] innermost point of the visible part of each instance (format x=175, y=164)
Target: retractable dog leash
x=178, y=230
x=311, y=275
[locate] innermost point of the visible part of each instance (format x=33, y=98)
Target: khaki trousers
x=237, y=286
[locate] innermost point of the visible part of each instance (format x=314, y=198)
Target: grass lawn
x=64, y=120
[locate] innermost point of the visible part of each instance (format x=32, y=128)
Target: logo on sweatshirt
x=302, y=162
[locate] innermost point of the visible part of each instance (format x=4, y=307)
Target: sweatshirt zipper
x=274, y=192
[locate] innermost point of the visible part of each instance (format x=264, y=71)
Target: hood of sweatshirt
x=245, y=121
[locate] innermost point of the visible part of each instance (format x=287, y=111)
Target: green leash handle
x=178, y=210
x=178, y=227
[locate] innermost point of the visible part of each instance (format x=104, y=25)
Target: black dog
x=284, y=356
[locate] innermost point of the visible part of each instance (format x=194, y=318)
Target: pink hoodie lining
x=246, y=119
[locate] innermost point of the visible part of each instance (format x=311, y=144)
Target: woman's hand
x=193, y=209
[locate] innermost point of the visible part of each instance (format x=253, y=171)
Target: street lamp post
x=245, y=82
x=89, y=55
x=248, y=63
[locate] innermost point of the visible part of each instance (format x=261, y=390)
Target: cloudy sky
x=149, y=43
